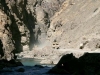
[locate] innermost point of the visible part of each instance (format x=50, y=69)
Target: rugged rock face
x=76, y=24
x=24, y=24
x=6, y=42
x=60, y=24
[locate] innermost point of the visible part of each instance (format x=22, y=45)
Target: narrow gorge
x=49, y=26
x=59, y=24
x=24, y=24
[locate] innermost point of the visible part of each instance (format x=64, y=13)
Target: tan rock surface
x=59, y=24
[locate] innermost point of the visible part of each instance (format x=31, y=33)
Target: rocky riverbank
x=88, y=64
x=11, y=63
x=52, y=56
x=46, y=56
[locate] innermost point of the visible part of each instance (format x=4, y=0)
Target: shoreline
x=52, y=56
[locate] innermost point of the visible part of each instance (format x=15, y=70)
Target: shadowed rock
x=88, y=64
x=11, y=63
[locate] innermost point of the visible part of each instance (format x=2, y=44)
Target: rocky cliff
x=24, y=24
x=76, y=25
x=60, y=24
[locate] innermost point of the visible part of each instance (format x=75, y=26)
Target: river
x=29, y=67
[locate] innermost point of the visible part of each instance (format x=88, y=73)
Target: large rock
x=88, y=64
x=12, y=63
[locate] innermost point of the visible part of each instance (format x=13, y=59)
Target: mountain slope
x=77, y=22
x=59, y=24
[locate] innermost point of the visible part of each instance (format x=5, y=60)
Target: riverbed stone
x=87, y=64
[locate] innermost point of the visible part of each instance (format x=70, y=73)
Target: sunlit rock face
x=6, y=42
x=76, y=25
x=60, y=24
x=24, y=24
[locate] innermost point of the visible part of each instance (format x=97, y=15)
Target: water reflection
x=30, y=61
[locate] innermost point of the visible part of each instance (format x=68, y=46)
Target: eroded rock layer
x=24, y=24
x=59, y=24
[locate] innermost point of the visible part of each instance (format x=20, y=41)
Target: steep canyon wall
x=60, y=24
x=24, y=24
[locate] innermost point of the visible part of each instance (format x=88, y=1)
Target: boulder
x=11, y=63
x=88, y=64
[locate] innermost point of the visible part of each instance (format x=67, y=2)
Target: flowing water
x=29, y=67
